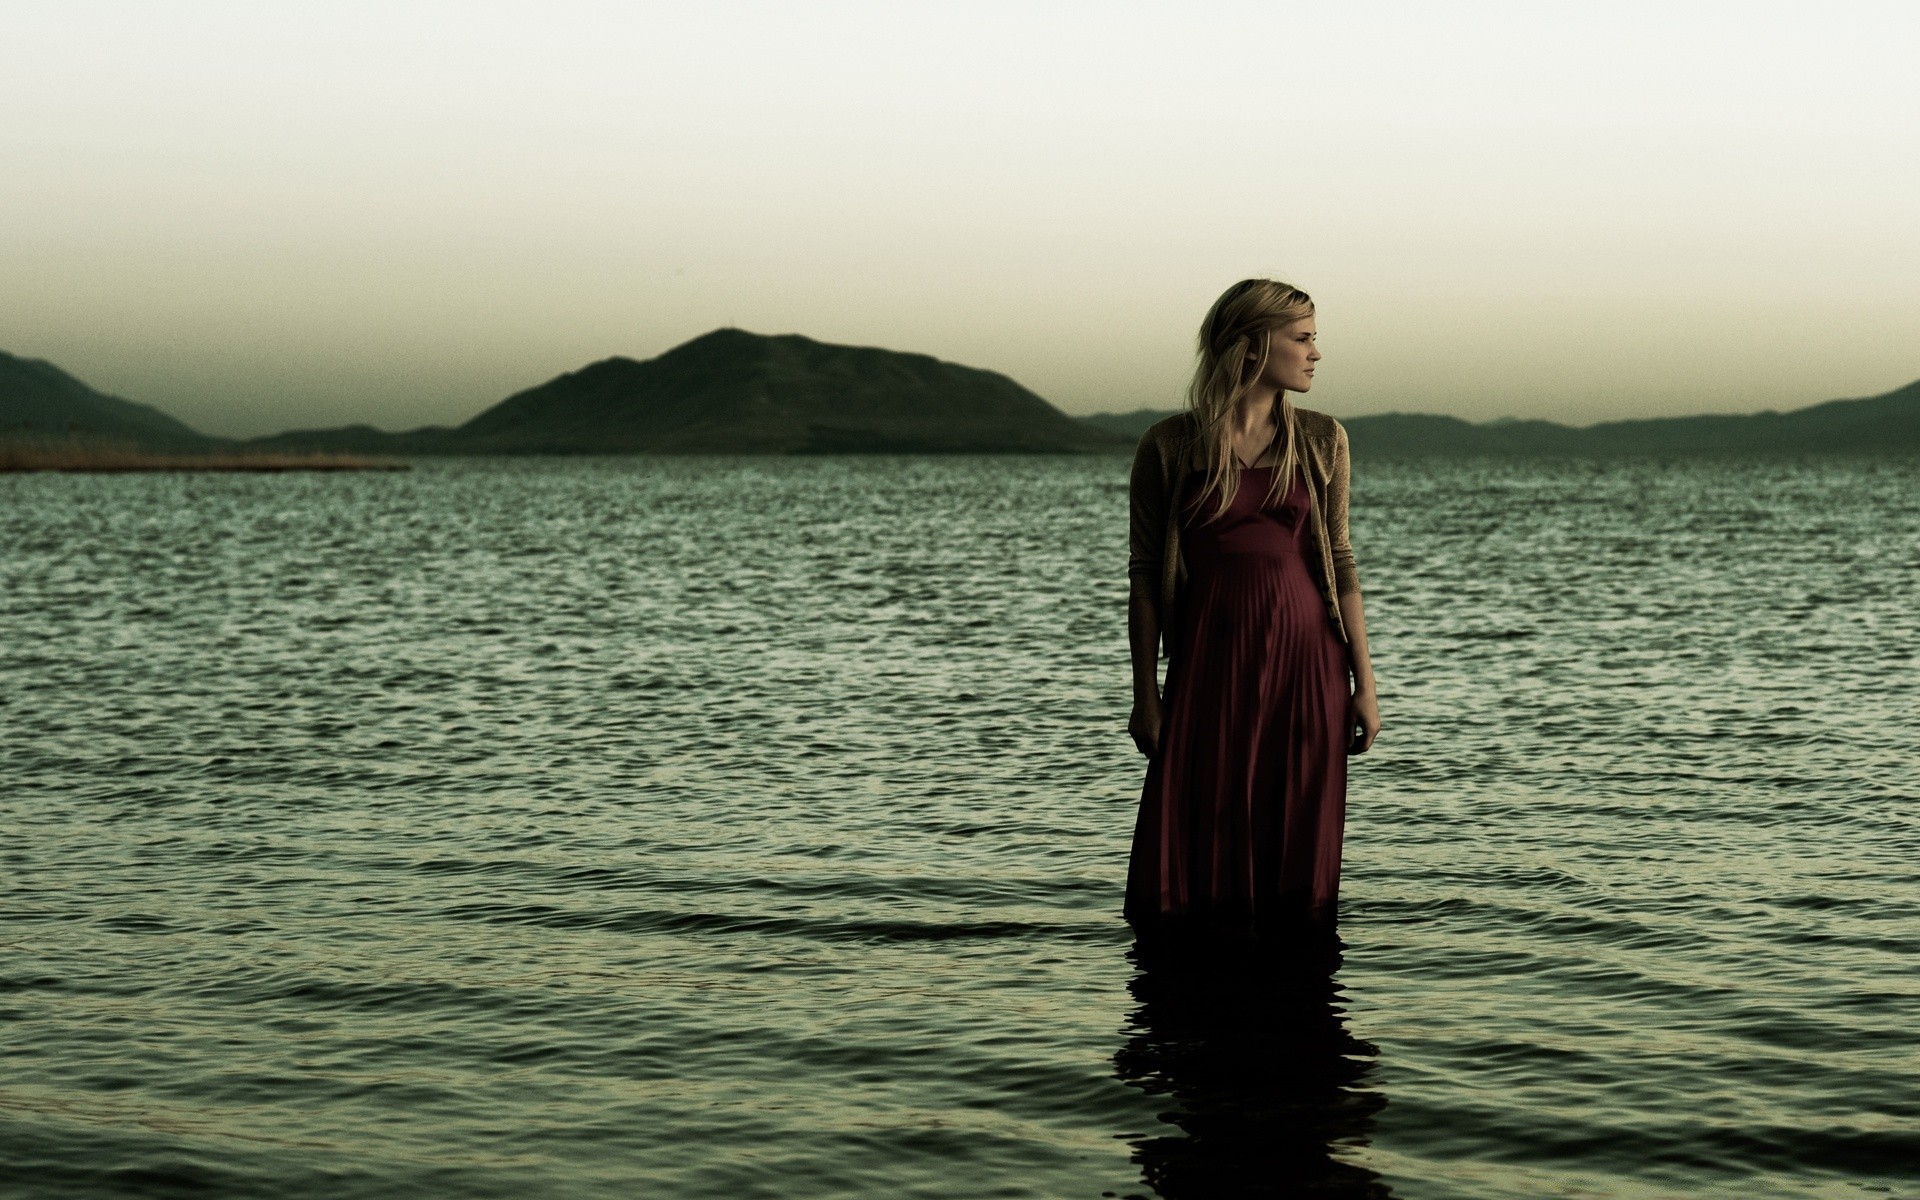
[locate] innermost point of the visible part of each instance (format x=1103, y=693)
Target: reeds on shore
x=76, y=455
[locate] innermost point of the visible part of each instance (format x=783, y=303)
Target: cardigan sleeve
x=1346, y=576
x=1146, y=517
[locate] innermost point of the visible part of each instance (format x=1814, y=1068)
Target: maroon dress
x=1242, y=812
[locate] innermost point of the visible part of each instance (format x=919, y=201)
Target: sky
x=262, y=216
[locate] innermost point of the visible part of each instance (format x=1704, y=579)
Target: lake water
x=756, y=828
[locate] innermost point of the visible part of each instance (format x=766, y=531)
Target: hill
x=1129, y=425
x=1885, y=424
x=40, y=402
x=735, y=392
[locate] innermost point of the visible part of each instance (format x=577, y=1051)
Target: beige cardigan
x=1155, y=567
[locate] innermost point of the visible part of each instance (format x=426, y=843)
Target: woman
x=1238, y=557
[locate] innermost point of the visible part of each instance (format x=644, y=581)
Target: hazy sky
x=264, y=215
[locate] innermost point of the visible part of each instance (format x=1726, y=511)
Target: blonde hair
x=1233, y=353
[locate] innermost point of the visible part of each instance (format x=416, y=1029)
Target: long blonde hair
x=1237, y=326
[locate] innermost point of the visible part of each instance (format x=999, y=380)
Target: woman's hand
x=1144, y=724
x=1366, y=722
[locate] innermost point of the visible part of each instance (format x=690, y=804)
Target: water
x=748, y=827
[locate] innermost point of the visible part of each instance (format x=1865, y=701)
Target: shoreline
x=22, y=459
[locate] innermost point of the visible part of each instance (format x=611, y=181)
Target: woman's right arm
x=1143, y=637
x=1146, y=538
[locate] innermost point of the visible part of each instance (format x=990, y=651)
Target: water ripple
x=750, y=827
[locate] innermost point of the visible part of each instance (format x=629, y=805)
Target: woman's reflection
x=1250, y=1050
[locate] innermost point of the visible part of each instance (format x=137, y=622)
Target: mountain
x=1129, y=425
x=362, y=439
x=39, y=401
x=1886, y=424
x=735, y=392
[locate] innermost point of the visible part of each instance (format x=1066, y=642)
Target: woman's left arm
x=1353, y=613
x=1366, y=702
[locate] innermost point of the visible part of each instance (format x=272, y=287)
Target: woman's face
x=1290, y=356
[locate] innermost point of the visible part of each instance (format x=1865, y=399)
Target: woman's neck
x=1257, y=411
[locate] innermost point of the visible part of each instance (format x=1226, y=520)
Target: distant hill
x=1129, y=425
x=735, y=392
x=39, y=401
x=362, y=439
x=1887, y=424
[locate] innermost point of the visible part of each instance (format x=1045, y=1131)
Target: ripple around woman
x=1239, y=561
